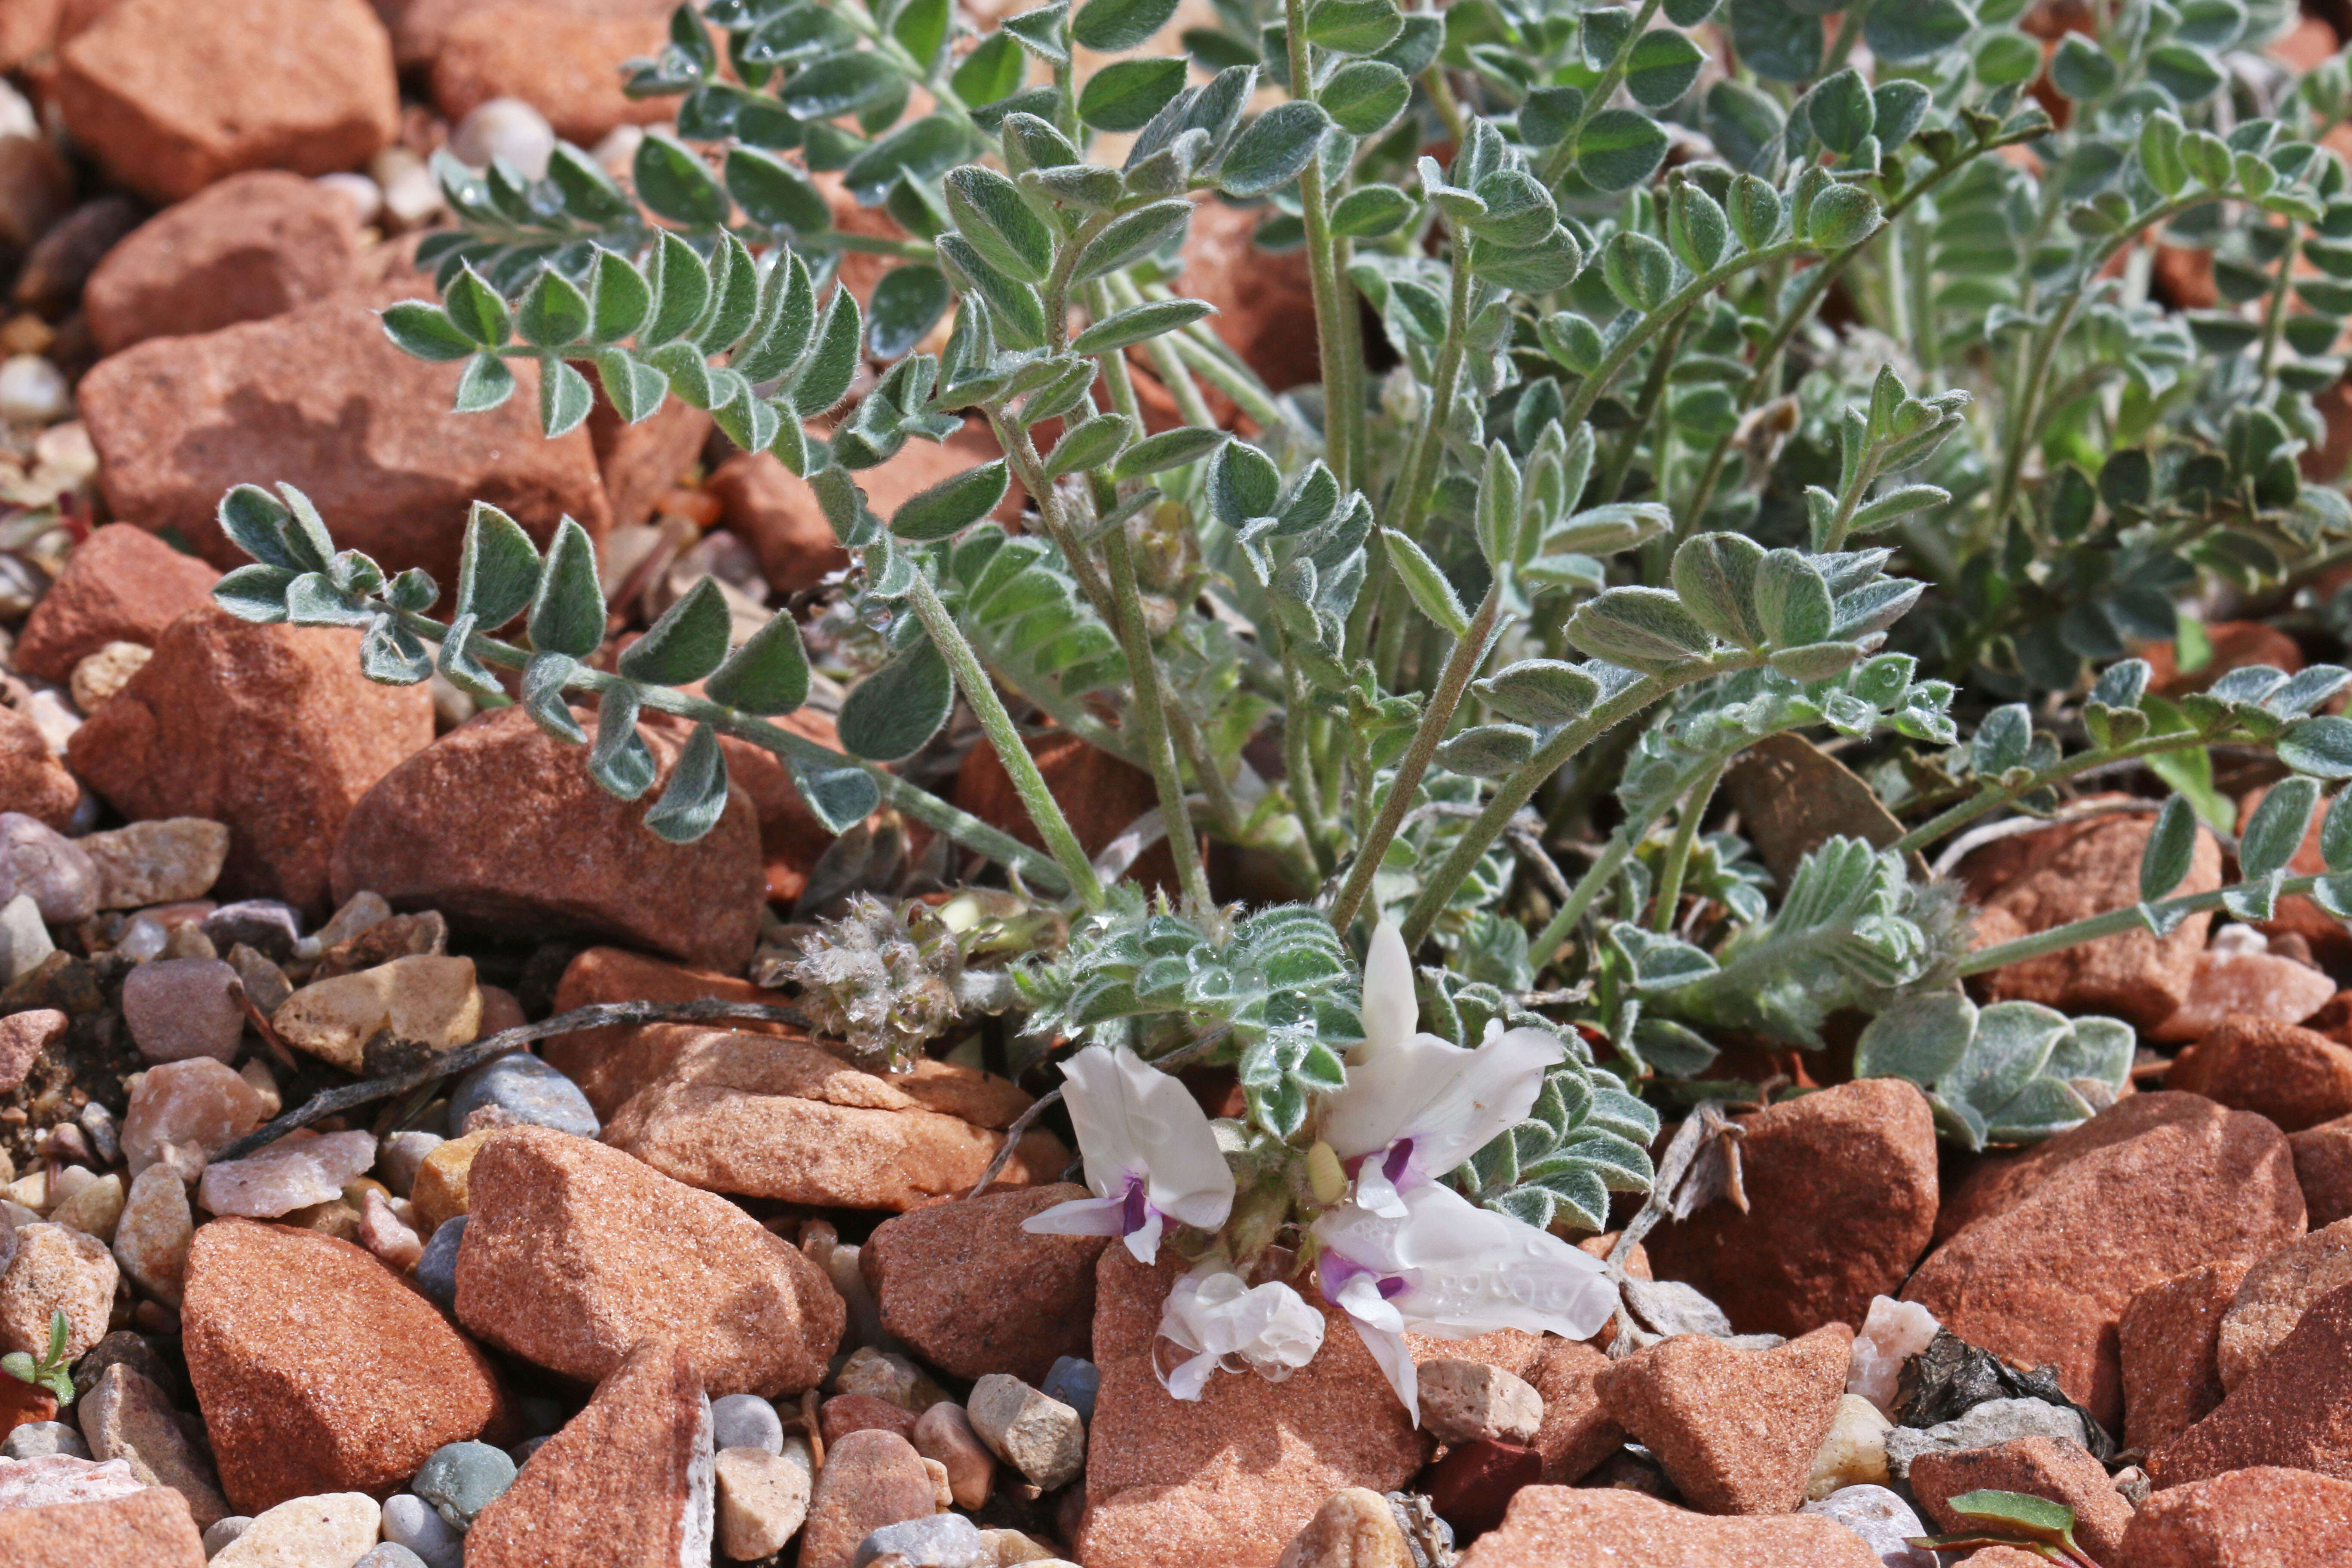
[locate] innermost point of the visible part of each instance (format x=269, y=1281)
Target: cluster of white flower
x=1398, y=1253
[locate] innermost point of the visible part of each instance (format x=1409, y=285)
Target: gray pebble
x=1074, y=1383
x=399, y=1156
x=36, y=1439
x=461, y=1479
x=410, y=1521
x=436, y=1272
x=521, y=1452
x=527, y=1090
x=388, y=1554
x=265, y=925
x=23, y=940
x=1884, y=1521
x=940, y=1540
x=221, y=1531
x=1985, y=1425
x=746, y=1421
x=105, y=1133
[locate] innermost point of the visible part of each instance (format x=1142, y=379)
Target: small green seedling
x=53, y=1371
x=2013, y=1519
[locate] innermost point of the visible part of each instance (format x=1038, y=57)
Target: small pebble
x=269, y=928
x=527, y=1090
x=223, y=1531
x=386, y=1554
x=1884, y=1521
x=23, y=938
x=508, y=129
x=878, y=1374
x=410, y=196
x=436, y=1268
x=366, y=198
x=32, y=391
x=105, y=1135
x=1041, y=1437
x=291, y=1174
x=35, y=858
x=98, y=678
x=761, y=1498
x=411, y=1523
x=1074, y=1382
x=402, y=1153
x=1854, y=1452
x=944, y=1434
x=182, y=1007
x=746, y=1421
x=36, y=1438
x=942, y=1541
x=461, y=1479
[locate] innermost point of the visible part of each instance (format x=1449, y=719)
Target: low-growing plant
x=52, y=1370
x=1685, y=385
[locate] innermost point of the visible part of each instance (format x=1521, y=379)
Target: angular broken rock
x=319, y=1370
x=2049, y=1467
x=784, y=1119
x=2298, y=1078
x=627, y=1482
x=298, y=1170
x=121, y=585
x=420, y=1006
x=333, y=1527
x=612, y=1063
x=2294, y=1411
x=55, y=1270
x=1463, y=1401
x=2263, y=1517
x=149, y=1528
x=1985, y=1425
x=2230, y=1192
x=35, y=859
x=127, y=1417
x=1735, y=1430
x=1577, y=1433
x=2272, y=1298
x=573, y=1253
x=2168, y=1342
x=196, y=1104
x=973, y=1293
x=49, y=1479
x=162, y=861
x=762, y=1498
x=153, y=1234
x=1551, y=1526
x=1041, y=1437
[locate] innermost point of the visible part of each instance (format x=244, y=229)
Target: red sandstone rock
x=121, y=585
x=2039, y=1467
x=2259, y=1518
x=171, y=97
x=784, y=1119
x=626, y=1483
x=2054, y=1246
x=1231, y=1478
x=318, y=398
x=848, y=1412
x=561, y=62
x=497, y=822
x=574, y=1253
x=641, y=461
x=32, y=780
x=2322, y=1166
x=254, y=246
x=872, y=1479
x=319, y=1370
x=2294, y=1411
x=2165, y=1343
x=1550, y=1526
x=1099, y=794
x=973, y=1293
x=1577, y=1433
x=2066, y=872
x=612, y=1063
x=1735, y=1430
x=2274, y=1296
x=2296, y=1076
x=1841, y=1198
x=271, y=730
x=2236, y=644
x=148, y=1529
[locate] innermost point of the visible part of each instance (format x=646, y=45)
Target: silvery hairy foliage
x=1694, y=378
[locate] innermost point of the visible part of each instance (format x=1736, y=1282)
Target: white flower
x=1150, y=1154
x=1449, y=1269
x=1214, y=1314
x=1414, y=1106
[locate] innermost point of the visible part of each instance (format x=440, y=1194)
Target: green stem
x=2274, y=319
x=1958, y=816
x=1590, y=390
x=1332, y=297
x=960, y=825
x=1596, y=98
x=1045, y=812
x=1678, y=851
x=1418, y=479
x=2057, y=939
x=1151, y=719
x=1587, y=887
x=1523, y=782
x=1298, y=766
x=1469, y=650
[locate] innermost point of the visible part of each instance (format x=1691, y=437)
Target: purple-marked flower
x=1449, y=1269
x=1414, y=1106
x=1227, y=1323
x=1150, y=1154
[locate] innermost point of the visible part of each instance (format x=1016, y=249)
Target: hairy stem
x=1469, y=650
x=1332, y=295
x=1151, y=718
x=2057, y=939
x=1678, y=851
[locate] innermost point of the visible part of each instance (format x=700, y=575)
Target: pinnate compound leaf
x=256, y=594
x=1620, y=148
x=498, y=568
x=1921, y=1037
x=1089, y=444
x=696, y=797
x=2321, y=747
x=774, y=193
x=1125, y=94
x=1540, y=692
x=475, y=310
x=564, y=398
x=1112, y=26
x=1793, y=600
x=483, y=385
x=567, y=611
x=686, y=644
x=1715, y=573
x=2165, y=860
x=1642, y=628
x=553, y=312
x=890, y=714
x=990, y=211
x=768, y=675
x=677, y=185
x=906, y=304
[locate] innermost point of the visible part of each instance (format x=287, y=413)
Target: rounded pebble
x=746, y=1421
x=1074, y=1382
x=388, y=1554
x=527, y=1090
x=505, y=127
x=437, y=1271
x=37, y=1440
x=182, y=1007
x=461, y=1479
x=32, y=391
x=221, y=1531
x=411, y=1523
x=521, y=1452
